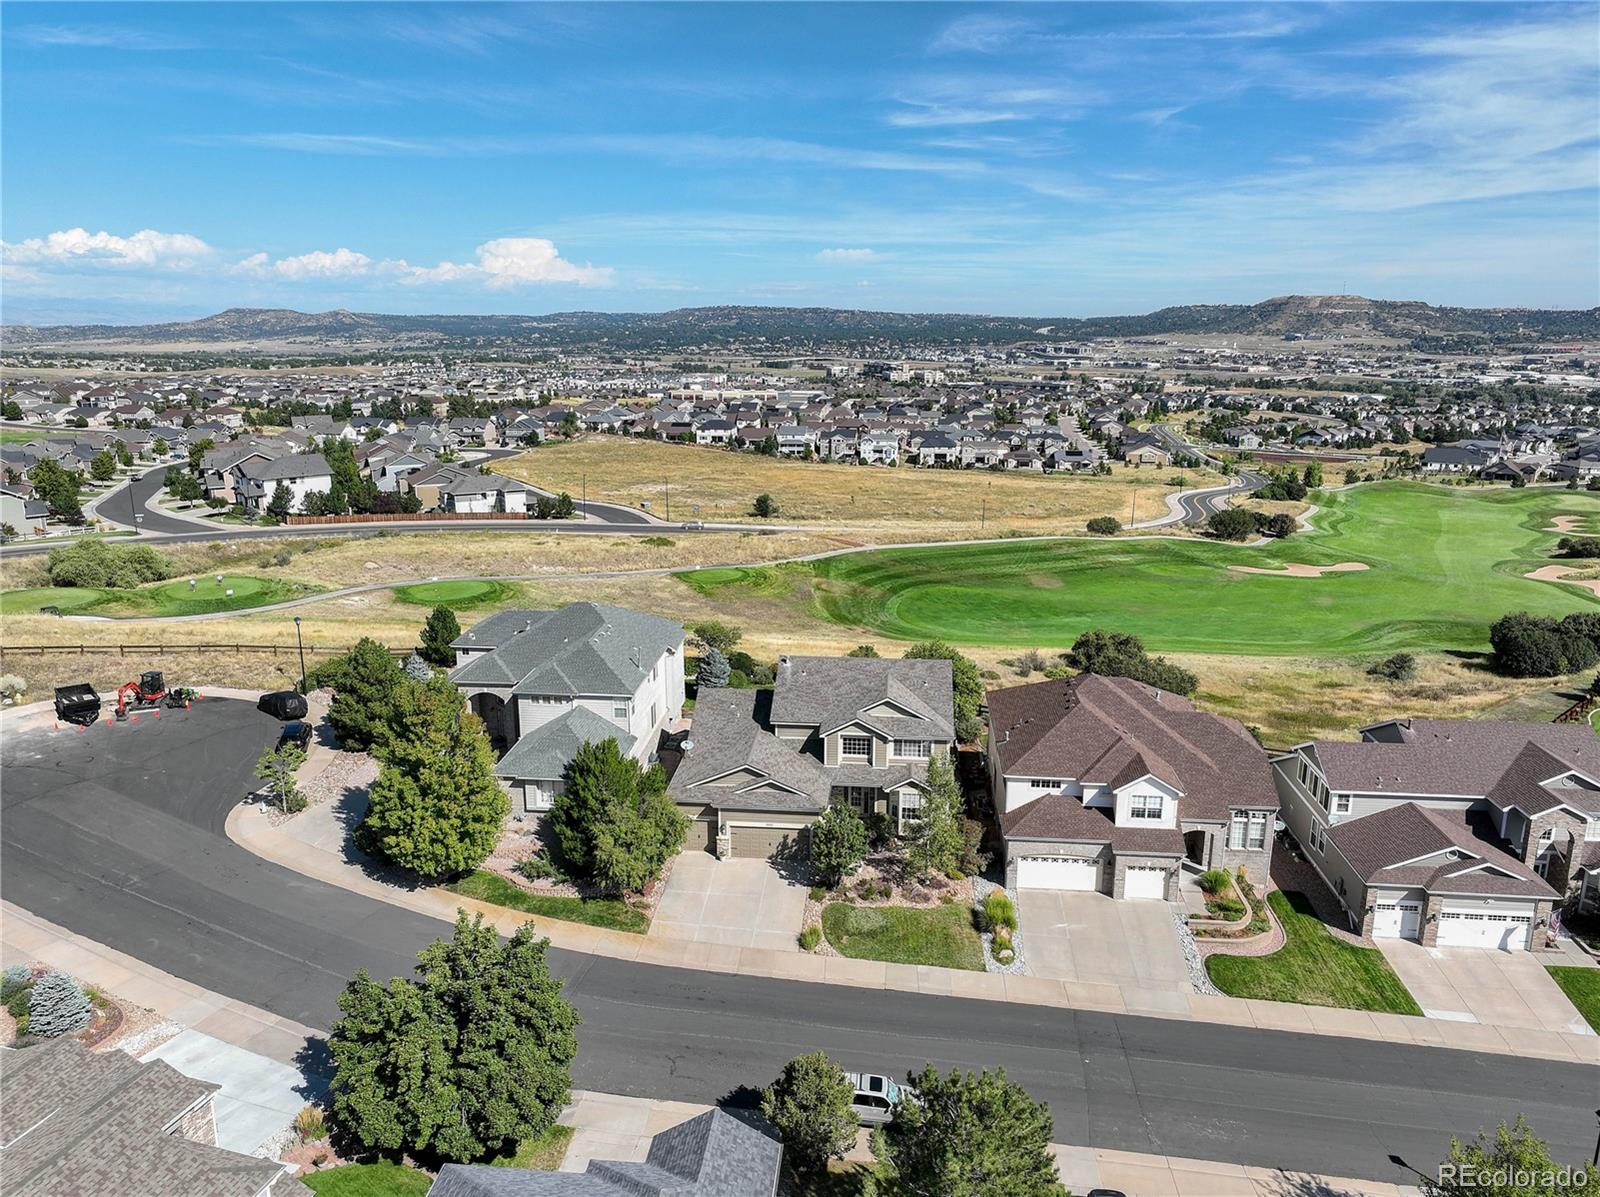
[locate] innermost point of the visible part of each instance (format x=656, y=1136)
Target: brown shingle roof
x=1112, y=730
x=1378, y=845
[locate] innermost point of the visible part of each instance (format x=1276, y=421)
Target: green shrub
x=311, y=1125
x=999, y=912
x=1214, y=881
x=17, y=1002
x=810, y=938
x=818, y=893
x=537, y=867
x=1401, y=667
x=1105, y=525
x=15, y=977
x=98, y=563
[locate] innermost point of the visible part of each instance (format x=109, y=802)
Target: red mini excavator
x=148, y=692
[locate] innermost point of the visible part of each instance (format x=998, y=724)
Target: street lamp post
x=667, y=482
x=302, y=645
x=1595, y=1162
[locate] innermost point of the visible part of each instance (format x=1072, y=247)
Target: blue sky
x=167, y=161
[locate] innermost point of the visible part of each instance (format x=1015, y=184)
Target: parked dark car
x=284, y=705
x=297, y=733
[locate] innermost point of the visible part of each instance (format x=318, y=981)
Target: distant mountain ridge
x=792, y=328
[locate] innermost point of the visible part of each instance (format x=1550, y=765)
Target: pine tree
x=613, y=821
x=713, y=672
x=461, y=1064
x=970, y=1136
x=436, y=808
x=936, y=836
x=278, y=506
x=57, y=1005
x=438, y=634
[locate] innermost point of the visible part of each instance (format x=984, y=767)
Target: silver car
x=874, y=1098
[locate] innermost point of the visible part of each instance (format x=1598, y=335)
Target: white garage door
x=1463, y=929
x=1397, y=920
x=1057, y=872
x=1145, y=883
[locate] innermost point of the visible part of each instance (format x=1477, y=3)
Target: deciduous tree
x=1514, y=1163
x=366, y=682
x=809, y=1105
x=838, y=843
x=613, y=821
x=966, y=683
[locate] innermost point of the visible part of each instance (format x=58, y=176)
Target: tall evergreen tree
x=613, y=821
x=465, y=1061
x=279, y=506
x=809, y=1105
x=436, y=808
x=438, y=634
x=936, y=838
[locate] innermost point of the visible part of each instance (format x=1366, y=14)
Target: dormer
x=1146, y=801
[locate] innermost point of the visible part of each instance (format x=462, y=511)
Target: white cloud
x=147, y=248
x=846, y=255
x=509, y=262
x=106, y=37
x=341, y=263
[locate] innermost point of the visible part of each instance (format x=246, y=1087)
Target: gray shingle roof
x=828, y=692
x=1112, y=730
x=728, y=735
x=76, y=1122
x=583, y=648
x=544, y=752
x=711, y=1155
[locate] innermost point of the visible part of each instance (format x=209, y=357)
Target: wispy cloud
x=99, y=37
x=846, y=255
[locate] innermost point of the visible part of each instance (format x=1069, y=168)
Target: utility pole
x=586, y=496
x=1133, y=508
x=302, y=644
x=667, y=482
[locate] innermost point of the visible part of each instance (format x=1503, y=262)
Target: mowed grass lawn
x=369, y=1180
x=1443, y=563
x=204, y=597
x=1582, y=987
x=455, y=594
x=1312, y=968
x=933, y=504
x=941, y=935
x=612, y=913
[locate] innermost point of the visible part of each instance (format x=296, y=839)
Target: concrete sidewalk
x=305, y=849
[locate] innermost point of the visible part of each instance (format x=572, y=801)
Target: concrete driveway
x=740, y=902
x=259, y=1096
x=1089, y=937
x=1502, y=989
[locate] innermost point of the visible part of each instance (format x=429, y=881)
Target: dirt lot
x=881, y=504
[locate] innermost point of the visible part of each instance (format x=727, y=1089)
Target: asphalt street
x=118, y=833
x=117, y=507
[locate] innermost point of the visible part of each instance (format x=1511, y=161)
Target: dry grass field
x=880, y=504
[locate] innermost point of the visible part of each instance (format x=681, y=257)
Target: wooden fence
x=124, y=650
x=1578, y=711
x=373, y=517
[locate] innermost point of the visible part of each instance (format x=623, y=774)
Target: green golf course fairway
x=1443, y=563
x=65, y=598
x=455, y=594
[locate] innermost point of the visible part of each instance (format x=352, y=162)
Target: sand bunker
x=1302, y=571
x=1567, y=523
x=1558, y=573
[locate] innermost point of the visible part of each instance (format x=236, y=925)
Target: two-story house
x=256, y=480
x=1107, y=784
x=1457, y=833
x=546, y=682
x=761, y=765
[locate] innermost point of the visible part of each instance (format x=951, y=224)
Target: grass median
x=611, y=913
x=1313, y=968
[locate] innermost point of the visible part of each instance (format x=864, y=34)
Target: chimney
x=783, y=668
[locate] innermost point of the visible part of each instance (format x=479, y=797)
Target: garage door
x=702, y=836
x=1145, y=883
x=759, y=842
x=1057, y=872
x=1397, y=920
x=1463, y=929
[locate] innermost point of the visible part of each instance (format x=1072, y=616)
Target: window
x=856, y=746
x=620, y=708
x=1046, y=783
x=1341, y=804
x=1546, y=838
x=910, y=809
x=1237, y=829
x=1145, y=806
x=1316, y=837
x=1258, y=829
x=546, y=700
x=912, y=749
x=1591, y=830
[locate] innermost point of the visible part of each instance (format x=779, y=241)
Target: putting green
x=455, y=594
x=1443, y=563
x=67, y=598
x=203, y=596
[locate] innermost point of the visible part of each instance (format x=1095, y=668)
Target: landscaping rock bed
x=521, y=842
x=1018, y=967
x=1193, y=958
